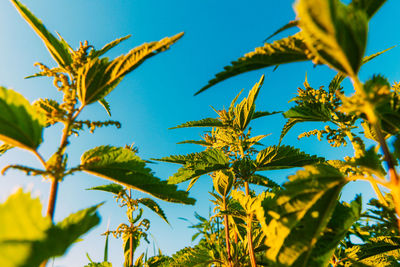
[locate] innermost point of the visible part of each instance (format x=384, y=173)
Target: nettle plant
x=303, y=223
x=83, y=77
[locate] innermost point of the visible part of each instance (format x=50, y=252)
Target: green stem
x=227, y=241
x=249, y=228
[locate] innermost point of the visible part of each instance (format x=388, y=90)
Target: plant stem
x=249, y=235
x=131, y=250
x=228, y=245
x=52, y=199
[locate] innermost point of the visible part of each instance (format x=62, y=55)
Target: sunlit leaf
x=291, y=24
x=335, y=33
x=208, y=122
x=27, y=238
x=98, y=77
x=263, y=181
x=107, y=47
x=110, y=188
x=123, y=166
x=106, y=106
x=312, y=194
x=151, y=204
x=20, y=124
x=286, y=50
x=197, y=164
x=283, y=157
x=370, y=6
x=58, y=49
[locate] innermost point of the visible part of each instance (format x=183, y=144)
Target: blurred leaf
x=335, y=33
x=369, y=6
x=263, y=181
x=291, y=24
x=27, y=238
x=20, y=124
x=123, y=166
x=58, y=49
x=111, y=188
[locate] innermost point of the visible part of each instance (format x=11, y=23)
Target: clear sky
x=159, y=94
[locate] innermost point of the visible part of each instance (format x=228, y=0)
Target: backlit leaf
x=335, y=33
x=123, y=166
x=98, y=77
x=283, y=157
x=208, y=122
x=20, y=124
x=58, y=49
x=286, y=50
x=151, y=204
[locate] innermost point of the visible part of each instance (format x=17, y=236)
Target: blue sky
x=159, y=94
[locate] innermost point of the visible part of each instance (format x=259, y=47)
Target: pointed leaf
x=27, y=238
x=263, y=181
x=20, y=124
x=291, y=24
x=111, y=188
x=286, y=50
x=197, y=164
x=123, y=166
x=99, y=53
x=369, y=6
x=309, y=112
x=208, y=122
x=99, y=77
x=196, y=142
x=312, y=192
x=151, y=204
x=283, y=157
x=106, y=106
x=335, y=33
x=58, y=49
x=260, y=114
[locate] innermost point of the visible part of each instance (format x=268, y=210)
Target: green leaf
x=260, y=114
x=369, y=6
x=307, y=203
x=111, y=188
x=20, y=124
x=151, y=204
x=208, y=122
x=335, y=33
x=98, y=77
x=58, y=49
x=27, y=238
x=99, y=264
x=291, y=24
x=376, y=251
x=263, y=181
x=196, y=142
x=372, y=161
x=286, y=50
x=283, y=157
x=309, y=112
x=107, y=47
x=106, y=106
x=123, y=166
x=197, y=164
x=244, y=110
x=343, y=217
x=4, y=148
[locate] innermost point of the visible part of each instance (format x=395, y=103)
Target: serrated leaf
x=123, y=166
x=106, y=106
x=291, y=24
x=286, y=50
x=208, y=122
x=309, y=112
x=27, y=238
x=343, y=217
x=4, y=148
x=372, y=161
x=283, y=157
x=260, y=114
x=335, y=33
x=376, y=251
x=20, y=124
x=311, y=194
x=197, y=164
x=99, y=264
x=98, y=77
x=196, y=142
x=369, y=6
x=111, y=188
x=263, y=181
x=107, y=47
x=244, y=110
x=151, y=204
x=58, y=49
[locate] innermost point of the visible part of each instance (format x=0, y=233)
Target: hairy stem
x=249, y=228
x=52, y=199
